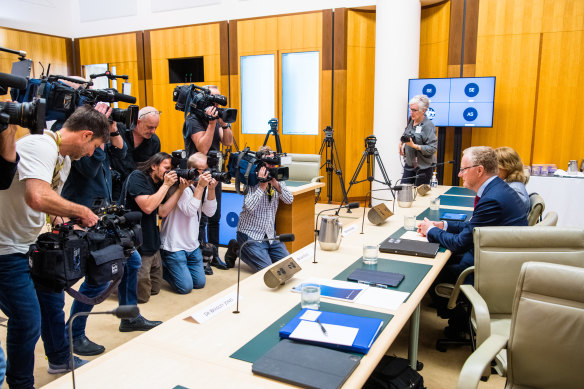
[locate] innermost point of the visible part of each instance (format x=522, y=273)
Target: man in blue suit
x=496, y=204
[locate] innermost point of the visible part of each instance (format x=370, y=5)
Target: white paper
x=413, y=235
x=310, y=330
x=304, y=253
x=382, y=298
x=349, y=230
x=310, y=315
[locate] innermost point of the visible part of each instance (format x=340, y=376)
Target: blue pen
x=322, y=327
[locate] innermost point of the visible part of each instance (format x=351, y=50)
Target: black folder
x=306, y=365
x=409, y=247
x=376, y=277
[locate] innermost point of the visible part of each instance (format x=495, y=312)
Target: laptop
x=409, y=247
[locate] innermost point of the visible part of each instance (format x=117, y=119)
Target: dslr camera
x=405, y=138
x=214, y=164
x=30, y=115
x=195, y=99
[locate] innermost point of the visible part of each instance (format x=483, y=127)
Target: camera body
x=279, y=173
x=195, y=99
x=245, y=166
x=405, y=139
x=214, y=163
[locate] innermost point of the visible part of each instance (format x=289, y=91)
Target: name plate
x=214, y=308
x=301, y=255
x=349, y=230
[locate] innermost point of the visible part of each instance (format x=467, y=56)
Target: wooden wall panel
x=509, y=17
x=182, y=42
x=116, y=50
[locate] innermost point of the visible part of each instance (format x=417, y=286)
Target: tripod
x=274, y=131
x=371, y=155
x=332, y=165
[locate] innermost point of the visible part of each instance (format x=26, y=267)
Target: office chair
x=550, y=219
x=544, y=344
x=536, y=210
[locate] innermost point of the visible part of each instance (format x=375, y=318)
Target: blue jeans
x=2, y=366
x=127, y=293
x=18, y=301
x=259, y=255
x=183, y=270
x=53, y=331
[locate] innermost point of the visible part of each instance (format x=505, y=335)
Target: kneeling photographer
x=182, y=259
x=258, y=216
x=418, y=143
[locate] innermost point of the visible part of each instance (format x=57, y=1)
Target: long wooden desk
x=297, y=217
x=180, y=352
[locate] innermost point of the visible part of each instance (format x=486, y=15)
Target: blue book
x=367, y=329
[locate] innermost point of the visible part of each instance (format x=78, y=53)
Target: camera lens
x=29, y=115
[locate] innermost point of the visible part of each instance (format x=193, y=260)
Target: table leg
x=414, y=335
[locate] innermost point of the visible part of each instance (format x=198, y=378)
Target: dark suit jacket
x=499, y=205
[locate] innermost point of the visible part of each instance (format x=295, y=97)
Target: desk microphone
x=442, y=163
x=281, y=238
x=352, y=205
x=122, y=312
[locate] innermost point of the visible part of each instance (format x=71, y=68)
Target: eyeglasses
x=148, y=113
x=468, y=167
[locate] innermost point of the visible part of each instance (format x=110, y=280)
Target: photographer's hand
x=212, y=112
x=170, y=178
x=183, y=184
x=401, y=149
x=117, y=140
x=263, y=174
x=87, y=218
x=413, y=145
x=103, y=108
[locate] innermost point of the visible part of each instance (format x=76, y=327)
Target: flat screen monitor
x=231, y=205
x=457, y=102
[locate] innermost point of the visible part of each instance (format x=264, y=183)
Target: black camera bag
x=394, y=373
x=106, y=261
x=57, y=261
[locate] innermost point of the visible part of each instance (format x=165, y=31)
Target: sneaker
x=65, y=367
x=231, y=253
x=218, y=263
x=208, y=270
x=83, y=346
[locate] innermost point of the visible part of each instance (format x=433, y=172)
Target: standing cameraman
x=25, y=205
x=201, y=135
x=418, y=143
x=144, y=191
x=258, y=217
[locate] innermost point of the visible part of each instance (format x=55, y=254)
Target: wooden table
x=180, y=352
x=296, y=218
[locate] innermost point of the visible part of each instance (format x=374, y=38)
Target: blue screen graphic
x=231, y=205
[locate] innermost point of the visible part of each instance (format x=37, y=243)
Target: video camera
x=30, y=115
x=214, y=164
x=195, y=99
x=62, y=100
x=61, y=257
x=246, y=164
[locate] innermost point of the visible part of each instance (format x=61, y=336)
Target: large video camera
x=62, y=100
x=30, y=115
x=246, y=164
x=214, y=165
x=195, y=99
x=61, y=257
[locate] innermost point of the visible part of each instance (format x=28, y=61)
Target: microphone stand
x=348, y=206
x=281, y=238
x=122, y=312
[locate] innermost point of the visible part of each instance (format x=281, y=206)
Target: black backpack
x=394, y=373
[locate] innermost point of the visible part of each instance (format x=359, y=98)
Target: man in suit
x=496, y=204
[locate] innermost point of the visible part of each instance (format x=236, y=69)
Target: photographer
x=144, y=191
x=418, y=143
x=142, y=143
x=8, y=156
x=31, y=196
x=201, y=135
x=258, y=217
x=182, y=260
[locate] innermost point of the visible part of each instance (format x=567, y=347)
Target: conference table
x=194, y=348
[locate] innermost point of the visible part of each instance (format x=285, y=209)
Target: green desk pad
x=413, y=272
x=435, y=215
x=460, y=191
x=457, y=201
x=269, y=337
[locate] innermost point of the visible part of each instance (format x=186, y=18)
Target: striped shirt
x=258, y=216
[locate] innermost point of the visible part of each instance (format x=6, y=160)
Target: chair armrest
x=481, y=313
x=459, y=282
x=478, y=361
x=316, y=179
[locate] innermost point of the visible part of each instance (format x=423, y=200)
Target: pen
x=322, y=327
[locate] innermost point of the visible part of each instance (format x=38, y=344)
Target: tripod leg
x=354, y=179
x=339, y=172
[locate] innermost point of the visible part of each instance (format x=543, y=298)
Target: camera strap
x=101, y=297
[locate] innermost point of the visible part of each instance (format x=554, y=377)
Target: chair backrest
x=536, y=209
x=500, y=252
x=304, y=167
x=550, y=219
x=547, y=328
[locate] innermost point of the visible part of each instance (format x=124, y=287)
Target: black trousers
x=211, y=223
x=424, y=178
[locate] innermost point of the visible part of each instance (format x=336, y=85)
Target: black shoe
x=231, y=253
x=218, y=263
x=208, y=270
x=84, y=346
x=138, y=324
x=454, y=333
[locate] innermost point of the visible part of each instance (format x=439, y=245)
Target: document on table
x=335, y=334
x=382, y=298
x=413, y=235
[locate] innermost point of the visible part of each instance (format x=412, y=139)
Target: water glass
x=410, y=223
x=310, y=296
x=370, y=254
x=435, y=204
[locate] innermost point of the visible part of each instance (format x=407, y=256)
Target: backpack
x=394, y=373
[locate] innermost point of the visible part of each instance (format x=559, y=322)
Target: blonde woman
x=511, y=170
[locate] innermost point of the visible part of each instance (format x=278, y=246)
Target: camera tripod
x=370, y=155
x=274, y=131
x=332, y=165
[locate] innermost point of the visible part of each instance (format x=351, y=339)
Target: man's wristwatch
x=225, y=126
x=116, y=133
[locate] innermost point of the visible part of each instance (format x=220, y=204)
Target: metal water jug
x=406, y=194
x=331, y=233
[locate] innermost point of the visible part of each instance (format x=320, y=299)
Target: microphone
x=442, y=163
x=122, y=97
x=348, y=206
x=8, y=80
x=133, y=217
x=122, y=312
x=281, y=238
